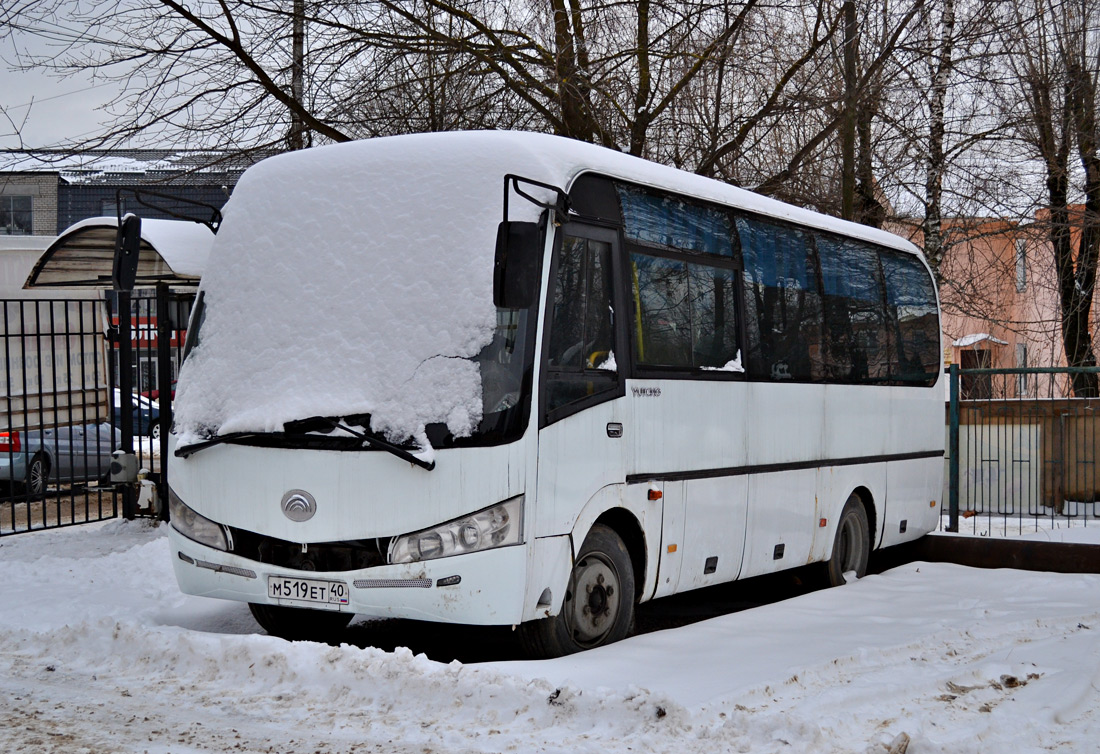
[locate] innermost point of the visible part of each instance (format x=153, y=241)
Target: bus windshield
x=504, y=366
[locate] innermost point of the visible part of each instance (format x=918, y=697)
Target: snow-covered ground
x=99, y=652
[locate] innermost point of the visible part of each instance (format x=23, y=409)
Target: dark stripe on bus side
x=769, y=468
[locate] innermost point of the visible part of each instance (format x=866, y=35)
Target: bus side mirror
x=516, y=271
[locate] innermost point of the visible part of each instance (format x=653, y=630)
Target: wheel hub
x=596, y=603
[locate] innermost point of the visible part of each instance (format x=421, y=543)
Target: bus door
x=581, y=444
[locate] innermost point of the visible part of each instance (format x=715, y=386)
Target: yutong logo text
x=646, y=392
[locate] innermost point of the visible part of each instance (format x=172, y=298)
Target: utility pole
x=298, y=137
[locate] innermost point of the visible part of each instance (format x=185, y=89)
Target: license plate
x=311, y=591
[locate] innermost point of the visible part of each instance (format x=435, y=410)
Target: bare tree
x=1055, y=58
x=262, y=74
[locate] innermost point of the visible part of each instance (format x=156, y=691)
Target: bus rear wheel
x=599, y=603
x=300, y=624
x=852, y=544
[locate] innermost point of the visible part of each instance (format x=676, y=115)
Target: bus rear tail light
x=9, y=442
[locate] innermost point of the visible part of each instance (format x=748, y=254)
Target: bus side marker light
x=656, y=494
x=932, y=504
x=671, y=549
x=449, y=581
x=823, y=523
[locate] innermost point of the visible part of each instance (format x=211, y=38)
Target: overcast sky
x=61, y=110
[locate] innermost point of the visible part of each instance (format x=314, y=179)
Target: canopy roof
x=979, y=337
x=172, y=251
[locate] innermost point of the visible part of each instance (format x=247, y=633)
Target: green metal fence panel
x=1018, y=462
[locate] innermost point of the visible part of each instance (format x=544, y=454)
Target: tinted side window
x=668, y=222
x=579, y=354
x=855, y=315
x=783, y=308
x=912, y=320
x=685, y=312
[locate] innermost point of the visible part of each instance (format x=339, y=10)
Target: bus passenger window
x=855, y=325
x=782, y=302
x=664, y=312
x=580, y=338
x=913, y=320
x=685, y=313
x=714, y=316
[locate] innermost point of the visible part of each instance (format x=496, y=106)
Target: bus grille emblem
x=298, y=505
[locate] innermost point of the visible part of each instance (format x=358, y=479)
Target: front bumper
x=490, y=590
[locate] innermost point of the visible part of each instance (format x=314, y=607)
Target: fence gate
x=155, y=331
x=1021, y=451
x=56, y=428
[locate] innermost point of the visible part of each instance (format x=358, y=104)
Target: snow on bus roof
x=357, y=277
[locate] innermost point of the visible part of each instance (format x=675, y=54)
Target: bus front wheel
x=298, y=623
x=599, y=602
x=852, y=545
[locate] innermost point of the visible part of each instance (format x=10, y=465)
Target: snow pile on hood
x=349, y=279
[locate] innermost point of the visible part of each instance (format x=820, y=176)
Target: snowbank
x=100, y=652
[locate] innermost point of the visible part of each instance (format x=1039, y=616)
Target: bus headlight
x=496, y=526
x=193, y=526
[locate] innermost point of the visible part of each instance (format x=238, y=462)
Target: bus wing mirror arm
x=516, y=269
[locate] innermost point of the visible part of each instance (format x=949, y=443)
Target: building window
x=111, y=207
x=1021, y=265
x=1021, y=363
x=15, y=216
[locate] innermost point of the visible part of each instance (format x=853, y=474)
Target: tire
x=38, y=475
x=598, y=607
x=154, y=430
x=299, y=623
x=851, y=545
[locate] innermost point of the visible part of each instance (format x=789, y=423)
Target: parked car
x=154, y=395
x=146, y=415
x=31, y=460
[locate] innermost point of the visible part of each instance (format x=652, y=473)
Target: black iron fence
x=157, y=331
x=1017, y=462
x=61, y=413
x=56, y=428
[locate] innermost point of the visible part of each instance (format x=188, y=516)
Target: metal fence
x=56, y=428
x=157, y=331
x=1018, y=463
x=61, y=412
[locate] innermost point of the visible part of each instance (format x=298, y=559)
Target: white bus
x=514, y=379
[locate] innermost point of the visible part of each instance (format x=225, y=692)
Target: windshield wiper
x=369, y=439
x=187, y=450
x=304, y=427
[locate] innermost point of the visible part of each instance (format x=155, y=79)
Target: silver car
x=31, y=460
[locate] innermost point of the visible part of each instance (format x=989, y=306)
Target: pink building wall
x=999, y=297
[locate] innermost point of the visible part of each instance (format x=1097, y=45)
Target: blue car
x=146, y=415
